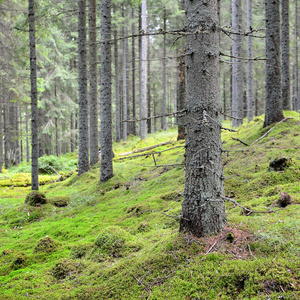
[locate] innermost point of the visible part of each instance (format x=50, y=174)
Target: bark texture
x=273, y=109
x=106, y=167
x=164, y=103
x=237, y=67
x=34, y=116
x=250, y=63
x=125, y=95
x=285, y=46
x=143, y=96
x=117, y=91
x=133, y=75
x=83, y=156
x=94, y=143
x=203, y=209
x=296, y=81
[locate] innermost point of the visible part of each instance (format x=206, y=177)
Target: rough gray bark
x=34, y=116
x=285, y=46
x=237, y=67
x=106, y=167
x=17, y=135
x=133, y=75
x=250, y=63
x=164, y=102
x=203, y=209
x=296, y=81
x=181, y=97
x=1, y=138
x=83, y=155
x=125, y=95
x=273, y=109
x=72, y=133
x=143, y=96
x=117, y=91
x=224, y=96
x=93, y=98
x=7, y=132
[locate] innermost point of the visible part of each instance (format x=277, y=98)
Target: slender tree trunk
x=83, y=156
x=296, y=82
x=224, y=96
x=117, y=96
x=143, y=98
x=181, y=99
x=149, y=88
x=34, y=115
x=285, y=45
x=72, y=133
x=94, y=144
x=140, y=61
x=17, y=136
x=203, y=209
x=237, y=100
x=125, y=98
x=273, y=109
x=133, y=76
x=27, y=133
x=106, y=167
x=1, y=137
x=164, y=103
x=250, y=64
x=7, y=132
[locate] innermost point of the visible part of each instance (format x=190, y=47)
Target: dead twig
x=235, y=139
x=12, y=183
x=229, y=129
x=147, y=148
x=211, y=248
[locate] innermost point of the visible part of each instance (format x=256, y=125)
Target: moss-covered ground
x=120, y=240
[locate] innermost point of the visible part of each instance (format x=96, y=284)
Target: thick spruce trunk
x=34, y=109
x=273, y=109
x=106, y=167
x=203, y=209
x=94, y=143
x=164, y=102
x=133, y=75
x=125, y=95
x=83, y=155
x=117, y=91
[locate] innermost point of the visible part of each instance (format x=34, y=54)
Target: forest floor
x=120, y=239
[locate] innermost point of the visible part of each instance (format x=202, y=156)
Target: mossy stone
x=60, y=201
x=35, y=198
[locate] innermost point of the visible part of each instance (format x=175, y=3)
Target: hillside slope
x=120, y=240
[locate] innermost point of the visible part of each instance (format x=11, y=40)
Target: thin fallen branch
x=12, y=183
x=239, y=141
x=147, y=154
x=147, y=148
x=229, y=129
x=211, y=248
x=270, y=130
x=249, y=211
x=156, y=117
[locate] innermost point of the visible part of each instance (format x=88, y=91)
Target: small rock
x=279, y=164
x=284, y=199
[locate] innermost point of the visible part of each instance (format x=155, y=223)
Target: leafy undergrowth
x=120, y=240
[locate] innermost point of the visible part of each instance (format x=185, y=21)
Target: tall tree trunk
x=1, y=137
x=224, y=96
x=237, y=81
x=203, y=209
x=133, y=75
x=27, y=133
x=149, y=88
x=117, y=95
x=250, y=64
x=34, y=115
x=285, y=45
x=181, y=99
x=94, y=144
x=83, y=156
x=164, y=103
x=143, y=97
x=273, y=109
x=106, y=167
x=17, y=135
x=125, y=98
x=72, y=133
x=296, y=81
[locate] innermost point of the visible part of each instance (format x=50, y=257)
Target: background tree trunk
x=34, y=115
x=250, y=63
x=149, y=88
x=83, y=156
x=164, y=102
x=117, y=91
x=133, y=76
x=237, y=68
x=181, y=98
x=106, y=167
x=143, y=98
x=296, y=81
x=203, y=209
x=273, y=110
x=94, y=144
x=125, y=98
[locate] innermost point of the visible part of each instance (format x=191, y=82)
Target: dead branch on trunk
x=147, y=148
x=239, y=141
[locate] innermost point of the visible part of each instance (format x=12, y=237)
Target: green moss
x=35, y=198
x=45, y=245
x=60, y=201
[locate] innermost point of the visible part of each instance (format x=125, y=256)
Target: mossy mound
x=65, y=268
x=79, y=251
x=35, y=198
x=60, y=201
x=45, y=245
